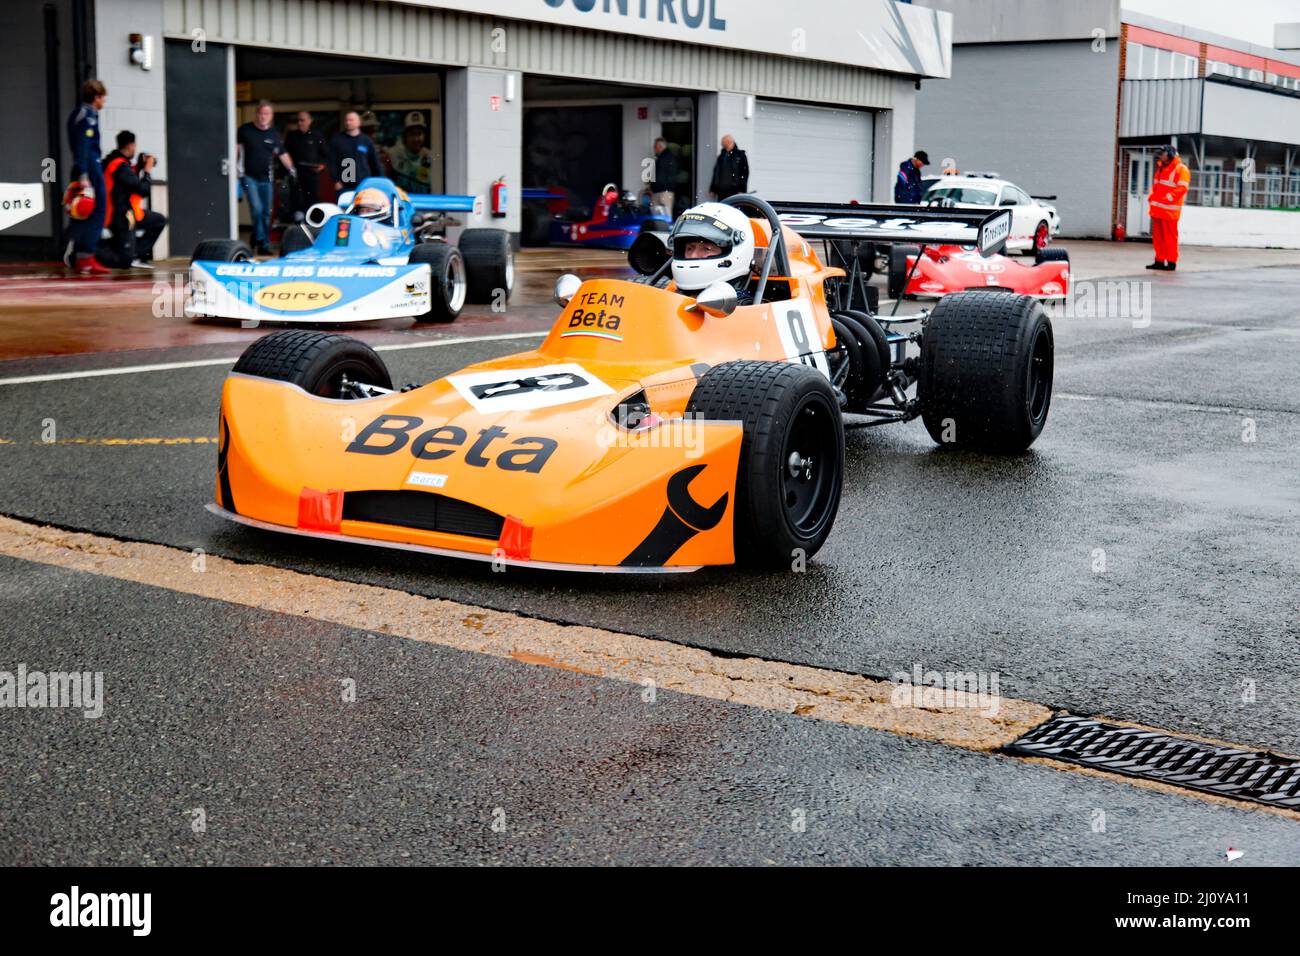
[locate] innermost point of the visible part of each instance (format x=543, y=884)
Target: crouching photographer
x=133, y=228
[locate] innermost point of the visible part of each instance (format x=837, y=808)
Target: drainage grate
x=1246, y=774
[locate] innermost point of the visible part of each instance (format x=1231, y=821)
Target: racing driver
x=372, y=204
x=713, y=242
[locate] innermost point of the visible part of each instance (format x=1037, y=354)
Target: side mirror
x=648, y=253
x=717, y=299
x=566, y=287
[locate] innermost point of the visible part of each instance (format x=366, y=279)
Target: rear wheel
x=876, y=358
x=295, y=238
x=489, y=263
x=898, y=268
x=321, y=363
x=1051, y=255
x=222, y=250
x=447, y=285
x=791, y=467
x=986, y=369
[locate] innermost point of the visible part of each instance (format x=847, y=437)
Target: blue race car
x=379, y=254
x=614, y=222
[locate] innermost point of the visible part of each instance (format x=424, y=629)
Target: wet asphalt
x=1140, y=562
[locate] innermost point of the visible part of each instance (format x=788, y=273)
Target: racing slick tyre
x=791, y=467
x=317, y=362
x=876, y=359
x=536, y=225
x=489, y=263
x=447, y=286
x=294, y=239
x=846, y=364
x=222, y=250
x=1051, y=255
x=985, y=378
x=898, y=268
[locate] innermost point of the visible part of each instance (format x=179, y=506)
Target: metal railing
x=1232, y=189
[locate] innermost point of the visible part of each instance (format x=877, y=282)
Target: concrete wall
x=1041, y=114
x=720, y=114
x=137, y=98
x=23, y=121
x=484, y=143
x=1251, y=228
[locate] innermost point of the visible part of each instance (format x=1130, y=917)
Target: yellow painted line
x=787, y=688
x=200, y=440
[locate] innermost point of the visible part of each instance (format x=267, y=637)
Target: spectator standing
x=259, y=148
x=83, y=141
x=907, y=187
x=352, y=155
x=664, y=184
x=133, y=228
x=411, y=159
x=731, y=171
x=1165, y=204
x=307, y=149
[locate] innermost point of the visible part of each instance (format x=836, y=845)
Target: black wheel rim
x=330, y=384
x=809, y=464
x=1040, y=375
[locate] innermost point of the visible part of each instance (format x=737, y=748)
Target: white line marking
x=201, y=363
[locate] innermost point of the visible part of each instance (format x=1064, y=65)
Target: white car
x=1033, y=221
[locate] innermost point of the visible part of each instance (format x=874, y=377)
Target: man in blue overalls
x=83, y=140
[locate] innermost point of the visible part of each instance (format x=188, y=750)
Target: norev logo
x=297, y=296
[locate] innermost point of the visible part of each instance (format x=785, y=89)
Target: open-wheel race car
x=614, y=221
x=650, y=430
x=379, y=254
x=938, y=270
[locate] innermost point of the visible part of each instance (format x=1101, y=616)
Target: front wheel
x=899, y=269
x=222, y=250
x=791, y=468
x=320, y=363
x=986, y=369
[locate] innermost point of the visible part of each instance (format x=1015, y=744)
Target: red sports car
x=944, y=269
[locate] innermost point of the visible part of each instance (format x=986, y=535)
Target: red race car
x=931, y=272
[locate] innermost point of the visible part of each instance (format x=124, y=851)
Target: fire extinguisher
x=1118, y=233
x=499, y=198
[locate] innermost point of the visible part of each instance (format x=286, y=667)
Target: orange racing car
x=651, y=430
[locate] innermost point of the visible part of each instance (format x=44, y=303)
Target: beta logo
x=593, y=324
x=389, y=434
x=297, y=296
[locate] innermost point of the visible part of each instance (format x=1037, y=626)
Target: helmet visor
x=696, y=236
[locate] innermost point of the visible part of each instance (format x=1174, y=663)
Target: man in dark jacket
x=731, y=171
x=133, y=228
x=83, y=140
x=907, y=187
x=307, y=148
x=664, y=184
x=353, y=154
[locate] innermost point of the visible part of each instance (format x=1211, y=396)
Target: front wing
x=294, y=291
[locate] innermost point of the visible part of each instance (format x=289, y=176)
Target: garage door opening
x=580, y=137
x=399, y=106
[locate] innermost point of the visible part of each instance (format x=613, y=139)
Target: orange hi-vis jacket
x=1169, y=190
x=137, y=203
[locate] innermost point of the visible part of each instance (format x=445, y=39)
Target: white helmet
x=711, y=242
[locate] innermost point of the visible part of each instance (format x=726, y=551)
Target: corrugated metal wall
x=393, y=31
x=1161, y=107
x=1041, y=114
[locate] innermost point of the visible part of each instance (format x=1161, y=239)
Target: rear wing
x=428, y=202
x=886, y=223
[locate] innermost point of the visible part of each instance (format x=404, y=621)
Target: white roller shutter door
x=810, y=153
